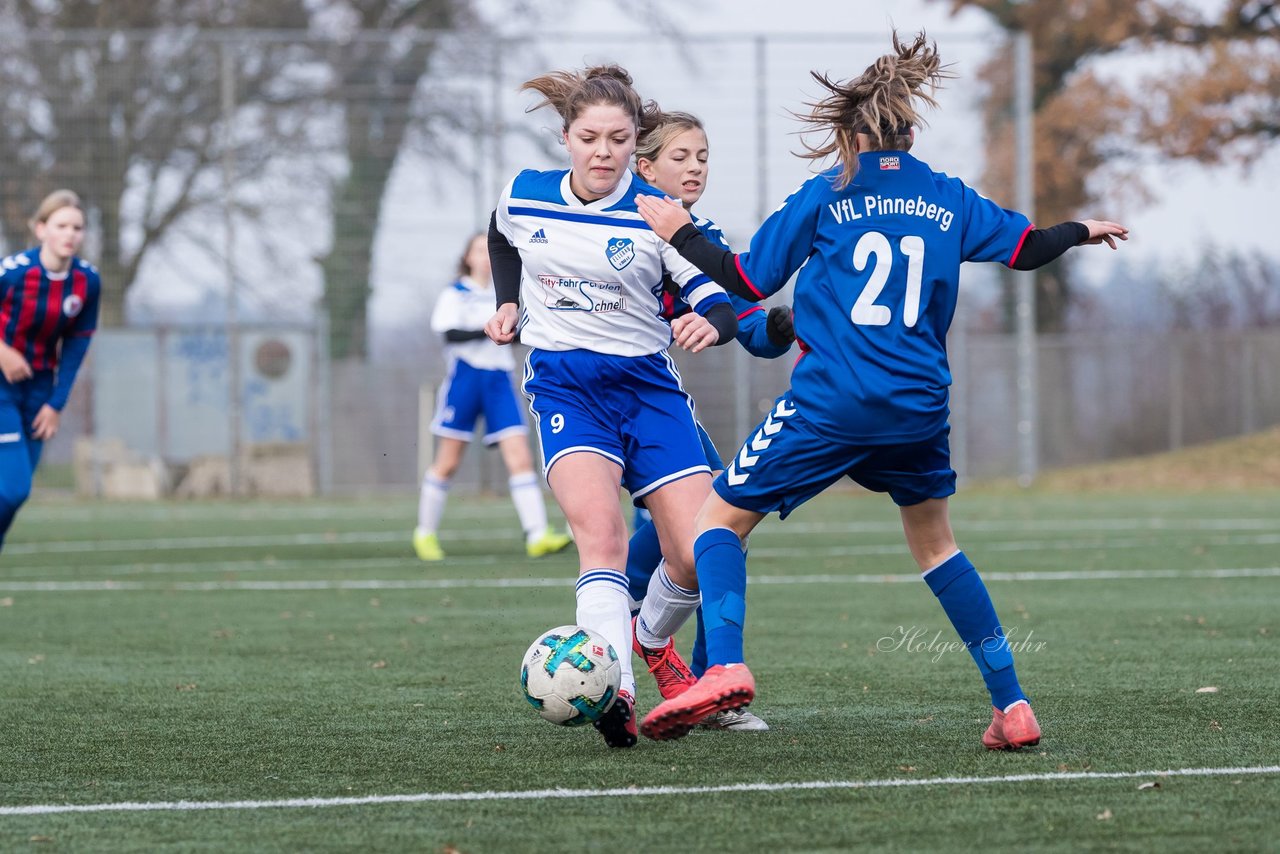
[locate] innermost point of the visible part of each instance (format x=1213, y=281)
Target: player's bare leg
x=586, y=485
x=434, y=494
x=526, y=494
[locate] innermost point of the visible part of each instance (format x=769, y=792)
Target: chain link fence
x=265, y=183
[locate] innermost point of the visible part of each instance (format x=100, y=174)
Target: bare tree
x=126, y=110
x=1210, y=109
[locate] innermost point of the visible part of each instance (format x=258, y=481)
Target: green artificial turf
x=147, y=656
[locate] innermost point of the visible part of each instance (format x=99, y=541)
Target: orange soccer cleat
x=673, y=675
x=719, y=688
x=1013, y=729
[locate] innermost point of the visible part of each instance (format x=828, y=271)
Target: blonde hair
x=571, y=92
x=882, y=103
x=658, y=128
x=55, y=201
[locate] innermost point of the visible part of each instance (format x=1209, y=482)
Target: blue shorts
x=629, y=409
x=785, y=463
x=469, y=392
x=709, y=448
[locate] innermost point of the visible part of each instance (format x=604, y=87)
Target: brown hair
x=880, y=103
x=658, y=128
x=570, y=92
x=55, y=201
x=464, y=269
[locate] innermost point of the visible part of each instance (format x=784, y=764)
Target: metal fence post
x=1028, y=416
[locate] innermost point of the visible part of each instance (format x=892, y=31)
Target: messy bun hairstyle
x=882, y=103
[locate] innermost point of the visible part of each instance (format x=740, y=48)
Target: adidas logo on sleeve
x=539, y=236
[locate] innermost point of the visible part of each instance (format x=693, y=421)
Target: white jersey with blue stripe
x=592, y=272
x=879, y=264
x=467, y=306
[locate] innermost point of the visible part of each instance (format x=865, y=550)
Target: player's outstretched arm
x=1102, y=231
x=1042, y=245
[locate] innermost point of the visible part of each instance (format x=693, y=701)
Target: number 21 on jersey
x=874, y=248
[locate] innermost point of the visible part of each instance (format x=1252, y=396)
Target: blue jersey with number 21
x=881, y=267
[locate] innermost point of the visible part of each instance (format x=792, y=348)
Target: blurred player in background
x=478, y=383
x=878, y=240
x=672, y=155
x=579, y=276
x=48, y=311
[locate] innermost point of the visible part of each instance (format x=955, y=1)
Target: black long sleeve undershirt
x=504, y=261
x=716, y=261
x=724, y=320
x=457, y=336
x=1040, y=246
x=1043, y=245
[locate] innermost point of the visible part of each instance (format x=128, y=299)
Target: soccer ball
x=570, y=675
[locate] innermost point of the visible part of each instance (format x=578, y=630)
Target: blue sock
x=965, y=599
x=643, y=556
x=698, y=663
x=722, y=576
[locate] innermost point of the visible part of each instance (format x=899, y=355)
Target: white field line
x=330, y=539
x=637, y=792
x=566, y=581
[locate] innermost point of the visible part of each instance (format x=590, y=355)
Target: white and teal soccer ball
x=570, y=675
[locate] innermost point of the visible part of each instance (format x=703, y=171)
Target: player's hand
x=13, y=364
x=46, y=423
x=501, y=328
x=694, y=332
x=780, y=327
x=1101, y=231
x=664, y=216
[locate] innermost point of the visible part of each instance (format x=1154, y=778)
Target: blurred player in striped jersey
x=878, y=240
x=579, y=276
x=478, y=384
x=672, y=155
x=48, y=311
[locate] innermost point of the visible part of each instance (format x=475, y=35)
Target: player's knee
x=600, y=542
x=682, y=572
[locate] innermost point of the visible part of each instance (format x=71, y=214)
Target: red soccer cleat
x=1017, y=728
x=618, y=725
x=666, y=665
x=719, y=688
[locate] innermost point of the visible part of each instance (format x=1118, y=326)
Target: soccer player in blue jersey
x=878, y=240
x=48, y=311
x=579, y=276
x=478, y=383
x=672, y=155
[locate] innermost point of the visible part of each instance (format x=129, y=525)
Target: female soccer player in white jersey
x=478, y=382
x=878, y=240
x=578, y=276
x=672, y=155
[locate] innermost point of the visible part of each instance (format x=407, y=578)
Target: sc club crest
x=71, y=305
x=620, y=251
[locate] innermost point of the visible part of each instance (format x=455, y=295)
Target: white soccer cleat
x=736, y=720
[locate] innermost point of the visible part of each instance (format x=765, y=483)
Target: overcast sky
x=1193, y=205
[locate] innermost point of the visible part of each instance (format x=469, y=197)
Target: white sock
x=431, y=502
x=602, y=607
x=665, y=608
x=526, y=494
